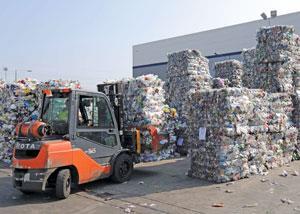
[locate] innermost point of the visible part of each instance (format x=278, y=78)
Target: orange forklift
x=79, y=137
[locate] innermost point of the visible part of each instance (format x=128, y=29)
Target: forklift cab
x=87, y=119
x=82, y=144
x=93, y=125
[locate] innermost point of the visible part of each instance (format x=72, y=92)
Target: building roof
x=217, y=41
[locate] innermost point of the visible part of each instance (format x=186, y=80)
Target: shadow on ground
x=12, y=197
x=147, y=179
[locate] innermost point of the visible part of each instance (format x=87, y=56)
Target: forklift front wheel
x=63, y=184
x=123, y=168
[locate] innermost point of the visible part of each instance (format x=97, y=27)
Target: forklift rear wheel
x=123, y=168
x=63, y=184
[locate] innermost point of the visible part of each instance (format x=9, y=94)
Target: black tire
x=123, y=168
x=63, y=184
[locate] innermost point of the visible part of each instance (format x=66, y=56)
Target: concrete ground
x=163, y=187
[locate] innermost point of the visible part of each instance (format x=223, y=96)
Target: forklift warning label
x=91, y=151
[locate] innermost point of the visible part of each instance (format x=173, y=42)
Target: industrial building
x=217, y=44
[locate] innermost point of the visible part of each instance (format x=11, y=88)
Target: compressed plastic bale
x=187, y=62
x=276, y=43
x=144, y=106
x=231, y=70
x=277, y=59
x=249, y=70
x=144, y=99
x=276, y=77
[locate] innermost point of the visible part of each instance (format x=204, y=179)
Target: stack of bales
x=238, y=131
x=243, y=132
x=187, y=70
x=275, y=64
x=145, y=108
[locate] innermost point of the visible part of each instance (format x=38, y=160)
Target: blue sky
x=92, y=40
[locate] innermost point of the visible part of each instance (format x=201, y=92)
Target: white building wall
x=150, y=57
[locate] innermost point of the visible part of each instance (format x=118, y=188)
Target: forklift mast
x=114, y=92
x=129, y=137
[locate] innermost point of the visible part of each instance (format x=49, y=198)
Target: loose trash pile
x=187, y=70
x=20, y=102
x=242, y=132
x=231, y=70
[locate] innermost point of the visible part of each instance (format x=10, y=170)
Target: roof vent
x=273, y=13
x=264, y=16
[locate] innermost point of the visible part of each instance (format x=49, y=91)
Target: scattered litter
x=297, y=209
x=250, y=205
x=284, y=173
x=229, y=191
x=230, y=183
x=295, y=173
x=271, y=190
x=286, y=201
x=218, y=205
x=152, y=205
x=275, y=183
x=264, y=173
x=263, y=180
x=131, y=206
x=127, y=210
x=108, y=199
x=141, y=182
